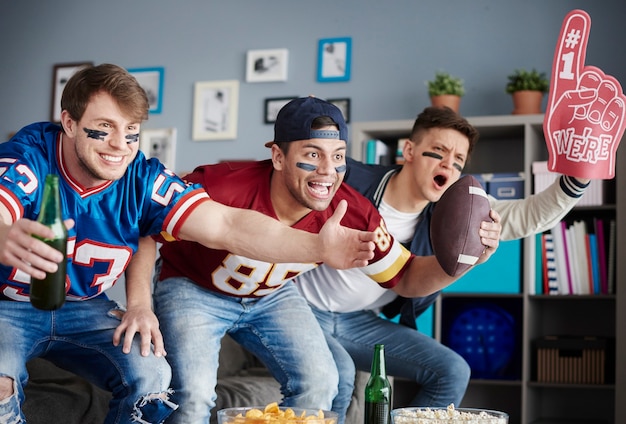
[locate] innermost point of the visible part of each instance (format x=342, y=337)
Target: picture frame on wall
x=334, y=59
x=267, y=65
x=159, y=143
x=151, y=80
x=273, y=105
x=343, y=105
x=61, y=73
x=215, y=110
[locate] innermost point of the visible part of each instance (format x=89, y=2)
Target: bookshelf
x=511, y=143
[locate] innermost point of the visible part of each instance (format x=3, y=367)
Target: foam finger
x=613, y=114
x=569, y=55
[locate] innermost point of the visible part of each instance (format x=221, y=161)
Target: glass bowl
x=449, y=415
x=286, y=415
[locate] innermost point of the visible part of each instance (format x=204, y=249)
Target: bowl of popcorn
x=449, y=415
x=274, y=414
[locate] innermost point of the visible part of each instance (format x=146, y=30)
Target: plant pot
x=527, y=102
x=450, y=100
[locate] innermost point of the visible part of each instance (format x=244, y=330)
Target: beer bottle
x=378, y=391
x=49, y=293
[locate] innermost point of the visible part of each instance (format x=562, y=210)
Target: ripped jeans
x=79, y=338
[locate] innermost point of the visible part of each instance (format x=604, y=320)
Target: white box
x=594, y=194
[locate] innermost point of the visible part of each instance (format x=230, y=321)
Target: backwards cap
x=294, y=120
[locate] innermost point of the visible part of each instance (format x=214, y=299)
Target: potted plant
x=527, y=89
x=446, y=90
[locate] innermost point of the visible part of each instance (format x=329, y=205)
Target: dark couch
x=55, y=396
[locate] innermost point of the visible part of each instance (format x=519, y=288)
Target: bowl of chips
x=274, y=414
x=449, y=415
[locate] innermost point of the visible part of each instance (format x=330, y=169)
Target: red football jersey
x=247, y=185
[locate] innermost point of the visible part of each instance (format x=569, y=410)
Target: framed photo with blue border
x=151, y=80
x=334, y=57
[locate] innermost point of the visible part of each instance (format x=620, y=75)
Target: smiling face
x=307, y=176
x=100, y=146
x=434, y=162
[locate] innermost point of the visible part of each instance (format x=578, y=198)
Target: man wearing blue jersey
x=111, y=196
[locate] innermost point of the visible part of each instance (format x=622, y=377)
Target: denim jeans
x=442, y=373
x=79, y=338
x=279, y=329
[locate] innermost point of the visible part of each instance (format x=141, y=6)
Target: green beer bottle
x=378, y=391
x=49, y=293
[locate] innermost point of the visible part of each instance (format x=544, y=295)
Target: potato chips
x=273, y=414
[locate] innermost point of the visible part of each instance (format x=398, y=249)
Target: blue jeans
x=442, y=373
x=79, y=338
x=279, y=329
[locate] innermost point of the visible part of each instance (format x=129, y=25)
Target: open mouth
x=440, y=180
x=320, y=189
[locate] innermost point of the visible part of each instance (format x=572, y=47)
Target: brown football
x=455, y=223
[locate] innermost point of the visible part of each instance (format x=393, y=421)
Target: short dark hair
x=108, y=78
x=446, y=118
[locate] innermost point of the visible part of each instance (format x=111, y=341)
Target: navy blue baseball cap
x=293, y=121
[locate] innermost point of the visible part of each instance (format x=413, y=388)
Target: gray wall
x=397, y=46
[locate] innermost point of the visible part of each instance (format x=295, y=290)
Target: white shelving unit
x=511, y=143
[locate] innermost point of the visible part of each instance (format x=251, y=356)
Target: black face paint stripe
x=306, y=166
x=95, y=134
x=132, y=138
x=458, y=167
x=311, y=168
x=432, y=155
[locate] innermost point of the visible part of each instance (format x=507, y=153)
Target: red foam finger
x=613, y=114
x=569, y=55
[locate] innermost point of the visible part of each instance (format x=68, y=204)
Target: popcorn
x=447, y=415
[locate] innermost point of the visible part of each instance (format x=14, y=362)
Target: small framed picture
x=160, y=144
x=215, y=110
x=61, y=74
x=273, y=105
x=344, y=107
x=266, y=65
x=151, y=80
x=334, y=55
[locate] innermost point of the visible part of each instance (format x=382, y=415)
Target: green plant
x=527, y=80
x=444, y=83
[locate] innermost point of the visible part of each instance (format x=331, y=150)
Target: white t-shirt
x=350, y=290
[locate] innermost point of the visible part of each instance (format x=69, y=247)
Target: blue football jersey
x=147, y=200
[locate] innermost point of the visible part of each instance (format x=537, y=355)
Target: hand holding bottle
x=20, y=249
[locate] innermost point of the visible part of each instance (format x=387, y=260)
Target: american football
x=455, y=223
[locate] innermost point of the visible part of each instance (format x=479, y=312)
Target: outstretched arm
x=541, y=211
x=257, y=236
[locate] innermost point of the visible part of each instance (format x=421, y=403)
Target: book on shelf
x=599, y=228
x=611, y=257
x=579, y=258
x=400, y=149
x=376, y=152
x=551, y=283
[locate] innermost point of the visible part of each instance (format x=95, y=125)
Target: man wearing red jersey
x=203, y=294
